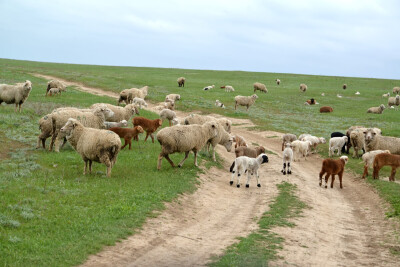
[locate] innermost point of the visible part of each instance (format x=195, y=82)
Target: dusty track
x=341, y=228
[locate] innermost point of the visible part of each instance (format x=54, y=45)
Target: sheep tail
x=232, y=166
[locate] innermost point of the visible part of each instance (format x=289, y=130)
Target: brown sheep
x=386, y=159
x=127, y=134
x=150, y=126
x=325, y=109
x=239, y=141
x=344, y=86
x=333, y=167
x=249, y=152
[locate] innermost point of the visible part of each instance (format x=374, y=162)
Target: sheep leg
x=365, y=171
x=375, y=174
x=238, y=177
x=53, y=138
x=284, y=168
x=106, y=161
x=289, y=171
x=90, y=166
x=214, y=159
x=186, y=156
x=248, y=179
x=332, y=180
x=57, y=144
x=40, y=140
x=130, y=143
x=340, y=179
x=258, y=179
x=16, y=106
x=330, y=152
x=169, y=123
x=320, y=177
x=326, y=180
x=392, y=174
x=195, y=158
x=85, y=166
x=64, y=142
x=147, y=135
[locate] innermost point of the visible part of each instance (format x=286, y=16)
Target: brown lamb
x=333, y=167
x=311, y=101
x=386, y=159
x=127, y=134
x=249, y=152
x=150, y=126
x=239, y=141
x=325, y=109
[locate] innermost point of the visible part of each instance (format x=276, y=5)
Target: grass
x=261, y=246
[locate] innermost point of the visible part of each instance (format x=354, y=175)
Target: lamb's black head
x=265, y=159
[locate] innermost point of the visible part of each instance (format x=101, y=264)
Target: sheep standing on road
x=15, y=94
x=251, y=165
x=246, y=101
x=249, y=152
x=300, y=148
x=337, y=143
x=333, y=167
x=287, y=159
x=261, y=87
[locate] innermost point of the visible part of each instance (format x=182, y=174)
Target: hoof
x=179, y=166
x=289, y=172
x=247, y=185
x=326, y=186
x=231, y=182
x=238, y=185
x=284, y=173
x=258, y=185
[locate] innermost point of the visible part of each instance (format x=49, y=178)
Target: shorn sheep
x=249, y=152
x=246, y=101
x=127, y=134
x=326, y=109
x=250, y=165
x=303, y=88
x=376, y=110
x=333, y=167
x=120, y=113
x=337, y=143
x=315, y=141
x=394, y=101
x=261, y=87
x=96, y=145
x=287, y=159
x=396, y=90
x=375, y=141
x=288, y=138
x=184, y=138
x=181, y=81
x=219, y=104
x=207, y=88
x=278, y=82
x=55, y=84
x=385, y=159
x=228, y=88
x=15, y=94
x=167, y=114
x=150, y=126
x=368, y=159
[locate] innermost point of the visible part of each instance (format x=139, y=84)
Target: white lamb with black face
x=251, y=165
x=287, y=159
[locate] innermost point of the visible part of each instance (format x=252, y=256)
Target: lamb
x=261, y=87
x=150, y=126
x=394, y=101
x=219, y=104
x=109, y=124
x=246, y=101
x=339, y=134
x=223, y=138
x=326, y=109
x=55, y=84
x=96, y=145
x=251, y=165
x=287, y=158
x=288, y=138
x=184, y=138
x=301, y=137
x=228, y=88
x=54, y=91
x=396, y=90
x=127, y=95
x=333, y=167
x=315, y=141
x=15, y=94
x=278, y=82
x=127, y=134
x=375, y=141
x=249, y=152
x=239, y=141
x=368, y=159
x=176, y=121
x=209, y=87
x=376, y=110
x=169, y=104
x=181, y=81
x=174, y=97
x=311, y=102
x=337, y=143
x=167, y=114
x=344, y=86
x=198, y=119
x=303, y=88
x=139, y=102
x=385, y=159
x=300, y=147
x=120, y=113
x=386, y=95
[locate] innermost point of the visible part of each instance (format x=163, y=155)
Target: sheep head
x=139, y=129
x=345, y=159
x=27, y=85
x=369, y=134
x=228, y=145
x=264, y=158
x=69, y=126
x=124, y=123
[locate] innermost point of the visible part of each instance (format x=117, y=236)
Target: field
x=53, y=204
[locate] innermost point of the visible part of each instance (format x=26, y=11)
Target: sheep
x=323, y=94
x=287, y=159
x=288, y=138
x=167, y=114
x=278, y=82
x=127, y=134
x=251, y=165
x=246, y=101
x=249, y=152
x=303, y=88
x=385, y=159
x=394, y=101
x=181, y=81
x=174, y=97
x=311, y=102
x=45, y=126
x=150, y=126
x=209, y=87
x=120, y=113
x=184, y=138
x=54, y=91
x=198, y=119
x=396, y=90
x=375, y=141
x=127, y=95
x=228, y=88
x=96, y=145
x=302, y=136
x=357, y=140
x=315, y=141
x=326, y=109
x=386, y=95
x=239, y=141
x=337, y=143
x=376, y=110
x=339, y=134
x=333, y=167
x=368, y=159
x=339, y=96
x=94, y=119
x=169, y=104
x=109, y=124
x=176, y=121
x=15, y=94
x=139, y=102
x=55, y=84
x=223, y=138
x=357, y=93
x=219, y=104
x=348, y=132
x=300, y=147
x=344, y=86
x=261, y=87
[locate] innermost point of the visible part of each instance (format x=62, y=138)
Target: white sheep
x=127, y=95
x=111, y=124
x=139, y=102
x=184, y=138
x=261, y=87
x=174, y=97
x=315, y=141
x=357, y=93
x=303, y=87
x=15, y=94
x=246, y=101
x=169, y=104
x=167, y=114
x=287, y=158
x=375, y=141
x=300, y=148
x=386, y=95
x=302, y=136
x=251, y=165
x=219, y=104
x=228, y=88
x=288, y=138
x=376, y=110
x=120, y=113
x=55, y=84
x=337, y=143
x=176, y=121
x=394, y=101
x=54, y=91
x=209, y=87
x=339, y=96
x=396, y=90
x=278, y=82
x=368, y=159
x=181, y=81
x=96, y=145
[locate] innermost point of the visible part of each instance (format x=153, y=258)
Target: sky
x=358, y=38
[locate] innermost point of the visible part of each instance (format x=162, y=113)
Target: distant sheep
x=376, y=110
x=139, y=102
x=246, y=101
x=55, y=84
x=261, y=87
x=326, y=109
x=278, y=82
x=228, y=88
x=209, y=87
x=368, y=159
x=357, y=93
x=288, y=138
x=394, y=101
x=167, y=114
x=127, y=134
x=250, y=165
x=386, y=95
x=219, y=104
x=385, y=159
x=333, y=167
x=287, y=158
x=181, y=81
x=54, y=91
x=174, y=97
x=15, y=94
x=303, y=88
x=249, y=152
x=396, y=90
x=344, y=86
x=311, y=102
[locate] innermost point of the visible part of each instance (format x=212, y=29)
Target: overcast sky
x=339, y=37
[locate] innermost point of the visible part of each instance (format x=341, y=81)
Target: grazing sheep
x=96, y=145
x=239, y=141
x=219, y=104
x=199, y=119
x=325, y=109
x=337, y=143
x=139, y=102
x=368, y=159
x=54, y=91
x=45, y=126
x=357, y=93
x=288, y=138
x=249, y=152
x=251, y=165
x=300, y=147
x=261, y=87
x=278, y=82
x=127, y=134
x=396, y=90
x=394, y=101
x=109, y=124
x=184, y=138
x=287, y=159
x=174, y=97
x=167, y=114
x=375, y=141
x=344, y=86
x=120, y=113
x=333, y=167
x=385, y=159
x=339, y=134
x=386, y=95
x=315, y=141
x=150, y=126
x=15, y=94
x=181, y=81
x=228, y=88
x=223, y=138
x=246, y=101
x=127, y=95
x=376, y=110
x=303, y=88
x=55, y=84
x=209, y=87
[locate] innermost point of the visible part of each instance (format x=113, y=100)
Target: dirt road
x=341, y=227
